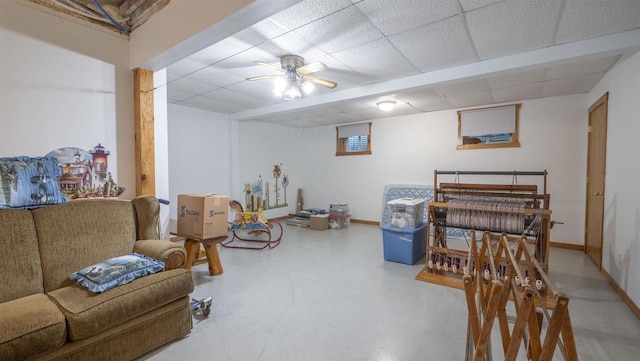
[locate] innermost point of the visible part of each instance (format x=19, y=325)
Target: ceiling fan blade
x=320, y=81
x=272, y=66
x=263, y=77
x=311, y=68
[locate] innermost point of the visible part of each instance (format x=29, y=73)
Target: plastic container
x=339, y=222
x=406, y=212
x=404, y=245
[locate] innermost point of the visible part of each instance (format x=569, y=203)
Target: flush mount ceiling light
x=294, y=81
x=386, y=105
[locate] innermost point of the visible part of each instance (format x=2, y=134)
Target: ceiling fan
x=293, y=81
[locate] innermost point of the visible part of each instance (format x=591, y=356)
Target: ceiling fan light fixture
x=292, y=91
x=279, y=85
x=294, y=82
x=307, y=87
x=386, y=105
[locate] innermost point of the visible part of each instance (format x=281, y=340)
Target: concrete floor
x=329, y=295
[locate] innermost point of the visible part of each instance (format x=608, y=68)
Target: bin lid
x=406, y=201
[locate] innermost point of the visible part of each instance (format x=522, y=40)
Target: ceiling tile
x=513, y=26
x=366, y=59
x=215, y=76
x=349, y=106
x=344, y=117
x=191, y=86
x=258, y=89
x=369, y=113
x=291, y=44
x=174, y=95
x=244, y=64
x=581, y=68
x=392, y=18
x=437, y=46
x=505, y=81
x=308, y=11
x=212, y=104
x=319, y=111
x=471, y=99
x=298, y=123
x=425, y=99
x=340, y=73
x=184, y=67
x=468, y=5
x=260, y=32
x=589, y=19
x=345, y=29
x=229, y=96
x=467, y=87
x=565, y=86
x=318, y=121
x=220, y=51
x=518, y=92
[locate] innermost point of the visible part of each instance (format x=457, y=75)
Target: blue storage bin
x=404, y=245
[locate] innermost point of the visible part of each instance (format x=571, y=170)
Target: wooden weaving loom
x=517, y=210
x=487, y=292
x=510, y=264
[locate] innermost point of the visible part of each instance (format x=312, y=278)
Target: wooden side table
x=211, y=250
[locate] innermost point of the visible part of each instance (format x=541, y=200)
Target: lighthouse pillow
x=29, y=182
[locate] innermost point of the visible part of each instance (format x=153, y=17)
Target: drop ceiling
x=425, y=55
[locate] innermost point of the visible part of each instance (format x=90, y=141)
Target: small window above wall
x=353, y=139
x=493, y=127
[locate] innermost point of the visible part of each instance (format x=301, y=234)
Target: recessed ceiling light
x=386, y=105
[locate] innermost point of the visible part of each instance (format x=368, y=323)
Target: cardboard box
x=319, y=222
x=203, y=216
x=404, y=245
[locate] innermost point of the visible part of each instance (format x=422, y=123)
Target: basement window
x=493, y=127
x=353, y=139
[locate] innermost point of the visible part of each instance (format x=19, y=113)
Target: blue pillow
x=117, y=271
x=29, y=182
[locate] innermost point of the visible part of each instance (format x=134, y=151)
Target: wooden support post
x=144, y=132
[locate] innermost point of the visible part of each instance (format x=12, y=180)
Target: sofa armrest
x=173, y=255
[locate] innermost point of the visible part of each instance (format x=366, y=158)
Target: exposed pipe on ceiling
x=106, y=15
x=83, y=10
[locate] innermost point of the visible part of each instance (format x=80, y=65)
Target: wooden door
x=596, y=162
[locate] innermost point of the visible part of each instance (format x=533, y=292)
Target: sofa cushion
x=20, y=258
x=29, y=326
x=74, y=235
x=116, y=271
x=29, y=182
x=89, y=313
x=148, y=215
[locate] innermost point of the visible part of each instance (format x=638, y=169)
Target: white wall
x=199, y=154
x=71, y=92
x=621, y=238
x=407, y=149
x=257, y=148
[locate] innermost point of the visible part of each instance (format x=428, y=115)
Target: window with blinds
x=493, y=127
x=354, y=139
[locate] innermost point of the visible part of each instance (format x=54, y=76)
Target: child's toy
x=252, y=227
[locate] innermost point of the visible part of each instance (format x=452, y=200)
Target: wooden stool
x=192, y=245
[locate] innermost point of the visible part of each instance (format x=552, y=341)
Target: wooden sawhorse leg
x=211, y=249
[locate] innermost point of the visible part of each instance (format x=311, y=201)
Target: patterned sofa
x=44, y=315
